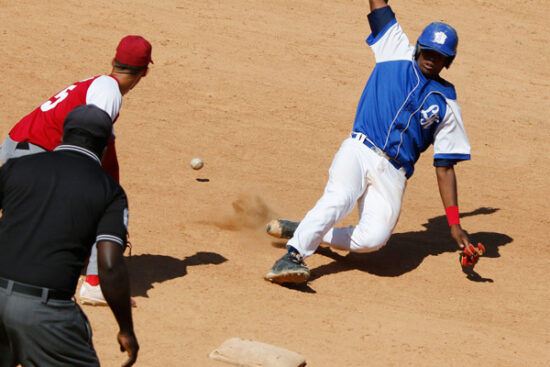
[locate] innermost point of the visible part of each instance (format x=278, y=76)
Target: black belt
x=32, y=290
x=23, y=145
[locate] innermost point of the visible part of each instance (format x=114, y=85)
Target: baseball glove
x=470, y=255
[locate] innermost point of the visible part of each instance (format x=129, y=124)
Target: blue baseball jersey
x=401, y=111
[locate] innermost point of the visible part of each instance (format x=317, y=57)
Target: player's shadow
x=147, y=269
x=404, y=252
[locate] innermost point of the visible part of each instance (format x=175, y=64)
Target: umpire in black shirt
x=55, y=205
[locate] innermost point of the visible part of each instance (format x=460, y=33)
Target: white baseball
x=196, y=163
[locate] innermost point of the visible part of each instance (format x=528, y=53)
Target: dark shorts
x=35, y=333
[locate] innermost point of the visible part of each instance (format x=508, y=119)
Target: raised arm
x=380, y=15
x=377, y=4
x=446, y=180
x=115, y=286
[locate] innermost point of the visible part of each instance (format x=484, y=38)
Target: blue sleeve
x=379, y=18
x=444, y=162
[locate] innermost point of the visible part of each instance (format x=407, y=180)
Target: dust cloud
x=249, y=212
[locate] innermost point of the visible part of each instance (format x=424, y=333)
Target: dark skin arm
x=113, y=278
x=377, y=4
x=446, y=180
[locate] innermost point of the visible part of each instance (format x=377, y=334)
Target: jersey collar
x=75, y=148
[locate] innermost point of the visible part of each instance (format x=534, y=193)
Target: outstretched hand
x=470, y=254
x=128, y=343
x=460, y=236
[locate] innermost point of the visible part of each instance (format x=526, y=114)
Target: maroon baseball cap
x=134, y=51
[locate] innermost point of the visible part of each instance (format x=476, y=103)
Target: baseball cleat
x=281, y=228
x=289, y=269
x=91, y=295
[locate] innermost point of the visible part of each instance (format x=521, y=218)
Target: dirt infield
x=264, y=92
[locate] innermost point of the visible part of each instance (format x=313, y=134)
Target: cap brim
x=424, y=47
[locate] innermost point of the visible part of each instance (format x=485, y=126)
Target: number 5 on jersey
x=48, y=105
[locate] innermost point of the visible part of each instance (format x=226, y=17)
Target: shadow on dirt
x=305, y=288
x=148, y=269
x=404, y=252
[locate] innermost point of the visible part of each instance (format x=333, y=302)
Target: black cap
x=89, y=118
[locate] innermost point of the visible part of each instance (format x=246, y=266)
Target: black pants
x=34, y=332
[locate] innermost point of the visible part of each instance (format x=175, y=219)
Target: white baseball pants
x=357, y=174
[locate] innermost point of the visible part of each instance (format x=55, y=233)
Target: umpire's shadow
x=405, y=251
x=148, y=269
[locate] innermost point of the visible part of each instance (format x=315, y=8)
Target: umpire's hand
x=113, y=278
x=128, y=343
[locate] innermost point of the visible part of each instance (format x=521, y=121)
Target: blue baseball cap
x=439, y=37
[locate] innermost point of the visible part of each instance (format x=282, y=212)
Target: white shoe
x=91, y=295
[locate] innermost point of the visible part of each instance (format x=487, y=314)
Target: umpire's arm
x=115, y=286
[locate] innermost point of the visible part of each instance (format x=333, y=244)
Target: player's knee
x=368, y=240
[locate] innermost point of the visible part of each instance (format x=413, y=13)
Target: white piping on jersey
x=410, y=118
x=401, y=108
x=76, y=148
x=109, y=237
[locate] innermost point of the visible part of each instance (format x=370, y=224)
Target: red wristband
x=452, y=215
